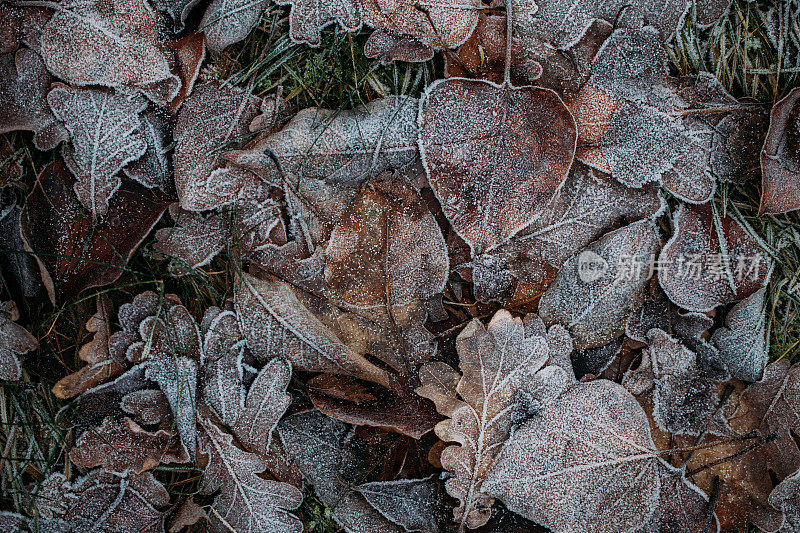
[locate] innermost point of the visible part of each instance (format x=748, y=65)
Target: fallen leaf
x=147, y=406
x=780, y=164
x=308, y=18
x=152, y=168
x=412, y=504
x=742, y=342
x=105, y=135
x=227, y=22
x=222, y=386
x=606, y=481
x=597, y=290
x=14, y=341
x=682, y=506
x=497, y=362
x=386, y=45
x=786, y=498
x=266, y=402
x=494, y=155
x=24, y=83
x=706, y=263
x=177, y=10
x=194, y=240
x=190, y=51
x=74, y=253
x=187, y=515
x=21, y=25
x=109, y=43
x=245, y=502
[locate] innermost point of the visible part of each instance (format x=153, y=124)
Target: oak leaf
x=14, y=340
x=780, y=164
x=226, y=22
x=410, y=503
x=742, y=342
x=308, y=18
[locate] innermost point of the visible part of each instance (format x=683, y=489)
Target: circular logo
x=591, y=267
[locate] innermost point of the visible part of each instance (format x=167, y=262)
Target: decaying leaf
x=24, y=84
x=222, y=387
x=266, y=402
x=119, y=445
x=780, y=163
x=245, y=502
x=14, y=340
x=213, y=119
x=710, y=262
x=73, y=252
x=494, y=155
x=597, y=290
x=21, y=25
x=193, y=241
x=586, y=462
x=742, y=342
x=497, y=362
x=190, y=51
x=152, y=169
x=387, y=45
x=410, y=503
x=308, y=17
x=226, y=22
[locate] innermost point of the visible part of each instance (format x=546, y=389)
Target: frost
x=708, y=263
x=780, y=163
x=308, y=18
x=742, y=342
x=682, y=506
x=152, y=169
x=193, y=241
x=786, y=498
x=494, y=155
x=109, y=43
x=222, y=388
x=387, y=45
x=105, y=136
x=14, y=340
x=496, y=363
x=608, y=480
x=266, y=402
x=226, y=22
x=595, y=311
x=246, y=502
x=148, y=406
x=410, y=503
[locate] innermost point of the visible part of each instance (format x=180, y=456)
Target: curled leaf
x=780, y=163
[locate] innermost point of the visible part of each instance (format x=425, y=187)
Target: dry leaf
x=742, y=342
x=308, y=18
x=24, y=83
x=213, y=119
x=122, y=445
x=786, y=498
x=109, y=43
x=21, y=25
x=152, y=169
x=682, y=507
x=246, y=502
x=74, y=253
x=147, y=406
x=190, y=51
x=497, y=362
x=386, y=46
x=14, y=340
x=597, y=290
x=222, y=387
x=177, y=10
x=105, y=135
x=494, y=155
x=780, y=163
x=586, y=462
x=410, y=503
x=194, y=240
x=708, y=263
x=226, y=22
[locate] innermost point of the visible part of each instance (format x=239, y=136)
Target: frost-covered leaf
x=587, y=206
x=274, y=322
x=494, y=155
x=436, y=24
x=119, y=445
x=147, y=406
x=496, y=362
x=586, y=462
x=682, y=506
x=74, y=253
x=341, y=147
x=109, y=43
x=266, y=402
x=742, y=342
x=327, y=455
x=780, y=162
x=786, y=498
x=173, y=353
x=177, y=10
x=783, y=32
x=24, y=83
x=14, y=340
x=385, y=259
x=387, y=45
x=597, y=290
x=410, y=503
x=708, y=263
x=222, y=387
x=212, y=120
x=246, y=502
x=226, y=22
x=152, y=169
x=308, y=17
x=112, y=43
x=190, y=51
x=103, y=501
x=194, y=240
x=105, y=135
x=21, y=25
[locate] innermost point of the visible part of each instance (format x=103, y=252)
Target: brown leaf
x=786, y=498
x=708, y=263
x=24, y=84
x=386, y=45
x=682, y=507
x=152, y=169
x=308, y=18
x=410, y=503
x=226, y=22
x=597, y=290
x=21, y=25
x=193, y=241
x=497, y=363
x=188, y=514
x=14, y=340
x=780, y=163
x=112, y=44
x=494, y=155
x=117, y=446
x=246, y=502
x=742, y=342
x=587, y=451
x=148, y=406
x=190, y=51
x=436, y=24
x=73, y=252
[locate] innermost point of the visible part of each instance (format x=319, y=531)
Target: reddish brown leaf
x=780, y=158
x=14, y=340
